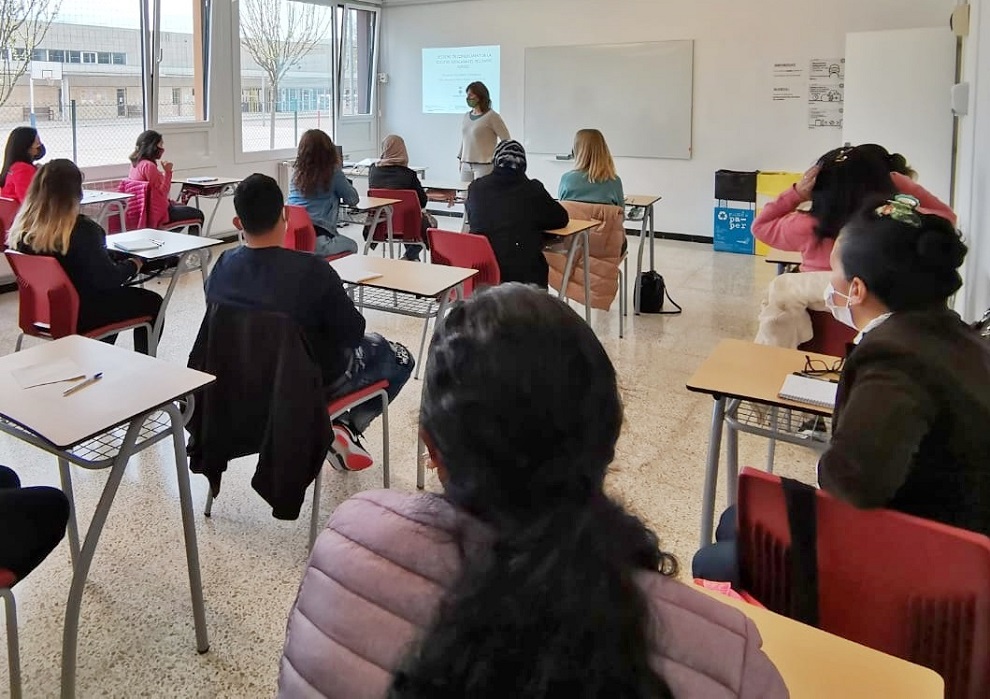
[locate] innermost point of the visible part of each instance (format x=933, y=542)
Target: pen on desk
x=78, y=387
x=816, y=378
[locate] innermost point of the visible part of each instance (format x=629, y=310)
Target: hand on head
x=807, y=182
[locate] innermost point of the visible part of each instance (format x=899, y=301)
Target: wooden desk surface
x=372, y=203
x=447, y=186
x=783, y=257
x=419, y=278
x=97, y=196
x=574, y=226
x=642, y=199
x=218, y=182
x=174, y=243
x=740, y=369
x=851, y=671
x=132, y=384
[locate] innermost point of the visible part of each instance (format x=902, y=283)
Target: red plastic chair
x=141, y=214
x=465, y=250
x=829, y=335
x=49, y=303
x=910, y=587
x=300, y=234
x=8, y=212
x=7, y=580
x=407, y=220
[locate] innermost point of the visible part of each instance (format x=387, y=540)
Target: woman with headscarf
x=514, y=213
x=392, y=172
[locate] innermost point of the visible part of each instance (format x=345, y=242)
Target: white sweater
x=480, y=136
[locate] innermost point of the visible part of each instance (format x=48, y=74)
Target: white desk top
x=132, y=384
x=449, y=186
x=172, y=243
x=419, y=278
x=372, y=203
x=642, y=199
x=362, y=170
x=218, y=182
x=96, y=196
x=574, y=226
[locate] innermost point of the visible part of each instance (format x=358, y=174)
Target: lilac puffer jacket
x=378, y=572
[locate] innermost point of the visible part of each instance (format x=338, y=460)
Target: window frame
x=344, y=8
x=153, y=56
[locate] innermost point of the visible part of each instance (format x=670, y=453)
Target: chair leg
x=420, y=358
x=72, y=527
x=13, y=648
x=208, y=510
x=385, y=466
x=314, y=520
x=20, y=341
x=622, y=303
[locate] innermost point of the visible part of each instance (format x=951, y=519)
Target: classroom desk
x=364, y=170
x=744, y=371
x=450, y=193
x=216, y=189
x=851, y=671
x=577, y=233
x=647, y=202
x=783, y=259
x=376, y=210
x=117, y=201
x=101, y=427
x=173, y=245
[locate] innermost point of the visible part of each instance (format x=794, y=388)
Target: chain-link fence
x=104, y=134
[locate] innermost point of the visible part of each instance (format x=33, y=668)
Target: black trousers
x=181, y=212
x=32, y=523
x=116, y=306
x=720, y=561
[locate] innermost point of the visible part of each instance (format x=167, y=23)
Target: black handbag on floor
x=652, y=292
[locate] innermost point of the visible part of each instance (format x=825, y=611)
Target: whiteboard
x=898, y=94
x=638, y=95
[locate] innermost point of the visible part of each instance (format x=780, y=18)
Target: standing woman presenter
x=482, y=130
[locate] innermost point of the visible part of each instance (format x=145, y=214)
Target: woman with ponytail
x=524, y=579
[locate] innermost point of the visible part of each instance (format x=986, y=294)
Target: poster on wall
x=788, y=82
x=826, y=93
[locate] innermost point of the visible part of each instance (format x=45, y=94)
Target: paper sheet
x=50, y=372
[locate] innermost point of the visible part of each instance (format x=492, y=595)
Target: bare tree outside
x=23, y=25
x=277, y=34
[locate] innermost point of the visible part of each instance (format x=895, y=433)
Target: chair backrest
x=407, y=217
x=465, y=250
x=913, y=588
x=829, y=335
x=48, y=301
x=142, y=210
x=8, y=212
x=300, y=233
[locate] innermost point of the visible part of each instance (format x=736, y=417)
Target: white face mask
x=843, y=314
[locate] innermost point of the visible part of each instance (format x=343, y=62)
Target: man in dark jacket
x=514, y=213
x=265, y=276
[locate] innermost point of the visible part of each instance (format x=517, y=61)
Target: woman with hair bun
x=914, y=399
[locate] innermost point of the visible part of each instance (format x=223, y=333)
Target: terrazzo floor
x=136, y=634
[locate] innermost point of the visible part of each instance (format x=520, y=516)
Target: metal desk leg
x=189, y=527
x=390, y=233
x=653, y=230
x=772, y=442
x=204, y=264
x=711, y=472
x=420, y=462
x=371, y=225
x=568, y=268
x=122, y=212
x=731, y=458
x=224, y=192
x=70, y=635
x=72, y=528
x=180, y=269
x=586, y=244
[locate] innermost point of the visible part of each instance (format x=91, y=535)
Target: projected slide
x=447, y=72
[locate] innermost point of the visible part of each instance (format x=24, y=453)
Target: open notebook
x=803, y=389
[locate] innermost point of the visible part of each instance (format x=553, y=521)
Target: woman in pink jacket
x=837, y=186
x=24, y=147
x=524, y=579
x=148, y=150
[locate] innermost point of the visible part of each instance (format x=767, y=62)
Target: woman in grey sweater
x=481, y=131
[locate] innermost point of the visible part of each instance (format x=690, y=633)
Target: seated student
x=909, y=428
x=523, y=578
x=49, y=223
x=514, y=212
x=32, y=523
x=264, y=275
x=392, y=172
x=24, y=147
x=319, y=184
x=148, y=150
x=593, y=179
x=836, y=188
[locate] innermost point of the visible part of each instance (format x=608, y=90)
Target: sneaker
x=346, y=453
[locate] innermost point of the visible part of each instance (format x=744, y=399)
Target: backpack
x=652, y=292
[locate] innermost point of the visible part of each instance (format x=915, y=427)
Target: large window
x=357, y=61
x=286, y=60
x=181, y=48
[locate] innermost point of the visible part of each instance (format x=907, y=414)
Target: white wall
x=736, y=125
